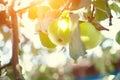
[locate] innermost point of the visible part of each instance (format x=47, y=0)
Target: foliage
x=58, y=33
x=118, y=37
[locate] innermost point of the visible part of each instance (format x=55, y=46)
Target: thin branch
x=110, y=15
x=91, y=17
x=110, y=19
x=22, y=7
x=8, y=24
x=4, y=66
x=66, y=5
x=92, y=9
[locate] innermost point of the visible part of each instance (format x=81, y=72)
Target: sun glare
x=63, y=24
x=85, y=38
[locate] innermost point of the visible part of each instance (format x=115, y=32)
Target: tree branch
x=4, y=66
x=22, y=7
x=110, y=15
x=15, y=41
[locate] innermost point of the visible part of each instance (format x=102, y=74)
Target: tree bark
x=15, y=41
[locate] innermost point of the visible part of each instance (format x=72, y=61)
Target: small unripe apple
x=59, y=31
x=90, y=36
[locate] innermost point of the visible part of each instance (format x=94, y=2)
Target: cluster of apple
x=54, y=26
x=59, y=34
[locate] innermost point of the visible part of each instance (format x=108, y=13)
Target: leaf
x=46, y=41
x=100, y=15
x=100, y=4
x=100, y=65
x=5, y=78
x=10, y=73
x=43, y=23
x=102, y=10
x=76, y=47
x=115, y=7
x=118, y=37
x=117, y=0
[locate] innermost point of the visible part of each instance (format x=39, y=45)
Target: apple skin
x=58, y=33
x=90, y=36
x=56, y=4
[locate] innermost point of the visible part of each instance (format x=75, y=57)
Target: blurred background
x=40, y=63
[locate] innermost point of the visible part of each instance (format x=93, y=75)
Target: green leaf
x=100, y=15
x=46, y=41
x=115, y=7
x=102, y=10
x=10, y=73
x=76, y=47
x=100, y=65
x=117, y=0
x=118, y=37
x=5, y=78
x=100, y=4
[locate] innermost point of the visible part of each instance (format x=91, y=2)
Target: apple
x=90, y=36
x=56, y=4
x=59, y=32
x=44, y=22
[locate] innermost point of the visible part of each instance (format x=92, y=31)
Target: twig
x=8, y=24
x=93, y=10
x=110, y=19
x=91, y=17
x=110, y=15
x=15, y=41
x=66, y=5
x=20, y=7
x=4, y=66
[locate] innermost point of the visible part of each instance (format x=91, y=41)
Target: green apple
x=90, y=36
x=59, y=32
x=45, y=41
